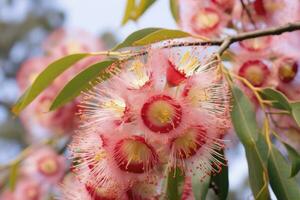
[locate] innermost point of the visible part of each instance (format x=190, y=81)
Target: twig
x=248, y=13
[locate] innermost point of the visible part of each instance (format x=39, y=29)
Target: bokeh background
x=24, y=24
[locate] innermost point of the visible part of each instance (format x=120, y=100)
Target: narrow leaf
x=130, y=8
x=278, y=99
x=160, y=35
x=243, y=118
x=244, y=122
x=294, y=158
x=174, y=10
x=137, y=35
x=142, y=8
x=283, y=186
x=296, y=112
x=200, y=186
x=13, y=175
x=81, y=82
x=175, y=183
x=220, y=182
x=45, y=78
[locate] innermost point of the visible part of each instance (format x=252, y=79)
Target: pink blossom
x=45, y=166
x=145, y=118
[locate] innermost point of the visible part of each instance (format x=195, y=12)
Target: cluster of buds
x=166, y=110
x=37, y=118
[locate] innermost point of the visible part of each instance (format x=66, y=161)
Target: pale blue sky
x=97, y=16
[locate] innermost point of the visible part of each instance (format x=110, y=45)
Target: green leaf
x=13, y=175
x=283, y=186
x=130, y=8
x=220, y=182
x=45, y=78
x=278, y=99
x=174, y=10
x=137, y=35
x=175, y=181
x=294, y=158
x=160, y=35
x=141, y=8
x=296, y=112
x=243, y=118
x=244, y=122
x=83, y=81
x=200, y=186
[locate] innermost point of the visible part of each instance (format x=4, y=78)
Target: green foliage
x=278, y=99
x=174, y=10
x=160, y=35
x=134, y=11
x=13, y=176
x=296, y=112
x=200, y=185
x=244, y=122
x=45, y=78
x=220, y=182
x=283, y=186
x=83, y=81
x=294, y=158
x=175, y=181
x=137, y=35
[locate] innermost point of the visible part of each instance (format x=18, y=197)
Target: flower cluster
x=270, y=61
x=167, y=110
x=39, y=172
x=37, y=118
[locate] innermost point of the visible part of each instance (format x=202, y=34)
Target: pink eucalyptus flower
x=202, y=18
x=147, y=117
x=45, y=166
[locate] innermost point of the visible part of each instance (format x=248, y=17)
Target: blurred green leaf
x=83, y=81
x=141, y=8
x=244, y=122
x=200, y=186
x=283, y=186
x=160, y=35
x=220, y=182
x=130, y=8
x=294, y=158
x=278, y=99
x=13, y=176
x=134, y=11
x=296, y=112
x=175, y=181
x=45, y=78
x=174, y=9
x=137, y=35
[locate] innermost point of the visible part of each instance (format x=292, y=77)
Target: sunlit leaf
x=200, y=185
x=244, y=122
x=296, y=112
x=141, y=8
x=175, y=181
x=174, y=9
x=278, y=99
x=220, y=182
x=160, y=35
x=283, y=186
x=45, y=78
x=130, y=8
x=81, y=82
x=137, y=35
x=13, y=176
x=294, y=158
